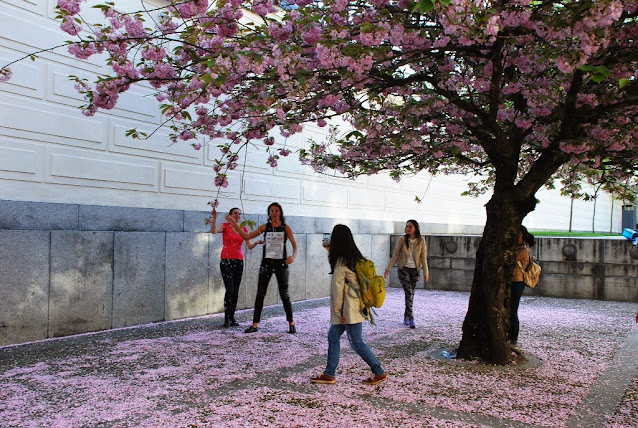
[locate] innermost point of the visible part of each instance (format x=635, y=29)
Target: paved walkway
x=193, y=373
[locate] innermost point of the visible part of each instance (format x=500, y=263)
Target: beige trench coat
x=344, y=302
x=401, y=253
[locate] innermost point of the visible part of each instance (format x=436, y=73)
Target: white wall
x=50, y=152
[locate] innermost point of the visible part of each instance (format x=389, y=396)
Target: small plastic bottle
x=445, y=354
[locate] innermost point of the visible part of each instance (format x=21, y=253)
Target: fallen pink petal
x=193, y=373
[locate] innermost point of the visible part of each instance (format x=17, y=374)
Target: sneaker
x=406, y=321
x=514, y=347
x=234, y=323
x=323, y=378
x=412, y=324
x=251, y=329
x=292, y=329
x=373, y=380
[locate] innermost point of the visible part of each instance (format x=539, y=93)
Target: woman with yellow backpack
x=345, y=309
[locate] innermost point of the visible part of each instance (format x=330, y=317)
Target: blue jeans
x=356, y=341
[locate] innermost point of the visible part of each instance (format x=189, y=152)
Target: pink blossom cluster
x=221, y=180
x=154, y=53
x=70, y=26
x=192, y=8
x=263, y=7
x=107, y=92
x=280, y=31
x=5, y=75
x=71, y=7
x=85, y=50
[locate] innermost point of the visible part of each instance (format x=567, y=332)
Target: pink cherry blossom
x=70, y=26
x=5, y=75
x=72, y=7
x=221, y=180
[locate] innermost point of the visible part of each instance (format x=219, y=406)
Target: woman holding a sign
x=275, y=260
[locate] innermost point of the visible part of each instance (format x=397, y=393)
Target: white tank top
x=410, y=262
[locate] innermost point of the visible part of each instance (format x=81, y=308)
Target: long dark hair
x=342, y=247
x=528, y=238
x=276, y=204
x=417, y=234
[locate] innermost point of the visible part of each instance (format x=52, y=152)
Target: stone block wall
x=575, y=268
x=69, y=269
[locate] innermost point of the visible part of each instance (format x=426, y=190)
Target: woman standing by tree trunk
x=517, y=286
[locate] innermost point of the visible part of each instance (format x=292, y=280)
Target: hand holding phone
x=326, y=240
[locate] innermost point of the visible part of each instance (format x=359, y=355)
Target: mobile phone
x=326, y=239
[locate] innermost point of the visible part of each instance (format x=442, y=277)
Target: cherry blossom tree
x=517, y=93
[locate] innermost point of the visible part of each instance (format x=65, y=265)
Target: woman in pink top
x=231, y=263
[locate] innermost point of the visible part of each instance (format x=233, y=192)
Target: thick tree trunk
x=487, y=319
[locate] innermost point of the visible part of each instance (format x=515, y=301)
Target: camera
x=326, y=239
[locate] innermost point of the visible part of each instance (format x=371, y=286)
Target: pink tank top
x=233, y=243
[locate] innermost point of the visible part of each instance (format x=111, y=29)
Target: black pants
x=517, y=289
x=232, y=270
x=280, y=269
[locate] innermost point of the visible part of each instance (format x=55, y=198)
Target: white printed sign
x=274, y=245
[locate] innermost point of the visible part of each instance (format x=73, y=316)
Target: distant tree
x=516, y=92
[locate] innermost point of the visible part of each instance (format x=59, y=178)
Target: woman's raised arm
x=213, y=223
x=241, y=232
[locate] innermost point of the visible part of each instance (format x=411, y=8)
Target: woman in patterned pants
x=411, y=255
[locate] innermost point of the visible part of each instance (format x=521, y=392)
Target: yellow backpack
x=371, y=289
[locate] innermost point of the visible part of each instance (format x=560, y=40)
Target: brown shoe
x=323, y=378
x=373, y=380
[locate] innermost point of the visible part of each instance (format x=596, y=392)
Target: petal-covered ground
x=193, y=373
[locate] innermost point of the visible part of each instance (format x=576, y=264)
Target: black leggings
x=280, y=269
x=517, y=289
x=232, y=270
